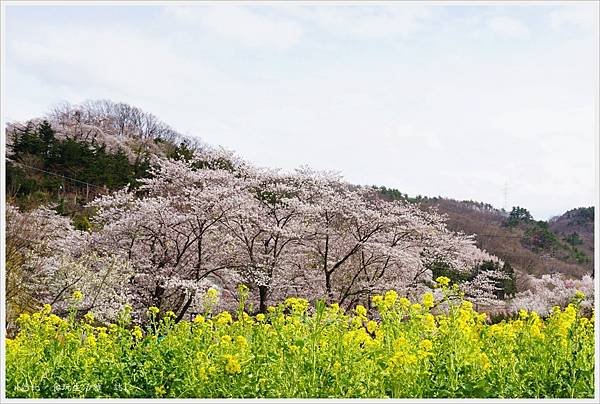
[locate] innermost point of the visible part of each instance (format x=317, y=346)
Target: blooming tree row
x=216, y=221
x=197, y=224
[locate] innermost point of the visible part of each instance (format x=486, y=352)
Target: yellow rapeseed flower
x=443, y=281
x=90, y=340
x=484, y=360
x=137, y=332
x=224, y=318
x=212, y=293
x=429, y=322
x=55, y=320
x=360, y=310
x=426, y=345
x=390, y=298
x=401, y=359
x=428, y=300
x=404, y=303
x=77, y=295
x=160, y=391
x=241, y=341
x=372, y=326
x=24, y=319
x=232, y=366
x=89, y=317
x=297, y=305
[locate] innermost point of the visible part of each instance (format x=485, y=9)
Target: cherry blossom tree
x=171, y=230
x=47, y=259
x=551, y=290
x=215, y=221
x=363, y=244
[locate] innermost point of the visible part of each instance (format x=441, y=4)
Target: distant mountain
x=563, y=245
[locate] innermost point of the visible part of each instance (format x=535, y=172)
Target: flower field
x=397, y=349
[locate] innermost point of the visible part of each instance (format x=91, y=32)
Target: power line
x=57, y=175
x=496, y=235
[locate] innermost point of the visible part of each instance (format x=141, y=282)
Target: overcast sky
x=431, y=99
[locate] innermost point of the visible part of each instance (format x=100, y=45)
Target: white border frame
x=4, y=4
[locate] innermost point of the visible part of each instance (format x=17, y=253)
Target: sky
x=456, y=100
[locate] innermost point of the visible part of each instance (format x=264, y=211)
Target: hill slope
x=535, y=248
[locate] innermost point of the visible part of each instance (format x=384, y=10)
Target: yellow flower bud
x=443, y=281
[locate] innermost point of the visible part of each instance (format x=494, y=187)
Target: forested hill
x=78, y=152
x=564, y=244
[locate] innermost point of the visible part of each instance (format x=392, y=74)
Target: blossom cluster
x=196, y=224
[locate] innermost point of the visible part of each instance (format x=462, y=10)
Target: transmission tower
x=505, y=192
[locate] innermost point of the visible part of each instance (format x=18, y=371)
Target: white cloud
x=371, y=22
x=387, y=95
x=111, y=57
x=404, y=134
x=241, y=24
x=509, y=27
x=583, y=16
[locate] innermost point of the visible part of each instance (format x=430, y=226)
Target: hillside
x=79, y=152
x=564, y=245
x=532, y=247
x=576, y=227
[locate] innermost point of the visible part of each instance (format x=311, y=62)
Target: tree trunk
x=262, y=292
x=185, y=307
x=328, y=286
x=158, y=295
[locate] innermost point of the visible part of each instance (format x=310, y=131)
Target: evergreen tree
x=518, y=215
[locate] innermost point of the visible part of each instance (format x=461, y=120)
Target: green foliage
x=581, y=216
x=441, y=268
x=573, y=239
x=181, y=152
x=538, y=237
x=517, y=216
x=81, y=222
x=37, y=154
x=579, y=256
x=507, y=287
x=391, y=193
